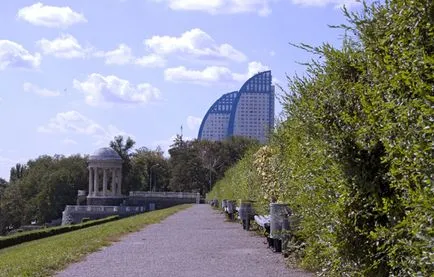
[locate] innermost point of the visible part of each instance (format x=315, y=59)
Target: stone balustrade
x=104, y=209
x=166, y=194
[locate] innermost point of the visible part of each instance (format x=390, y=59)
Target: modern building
x=248, y=112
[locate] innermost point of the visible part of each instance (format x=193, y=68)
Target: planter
x=224, y=203
x=246, y=213
x=230, y=209
x=278, y=224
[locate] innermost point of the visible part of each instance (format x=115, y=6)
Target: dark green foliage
x=22, y=237
x=142, y=161
x=40, y=189
x=17, y=172
x=123, y=149
x=41, y=194
x=356, y=149
x=197, y=165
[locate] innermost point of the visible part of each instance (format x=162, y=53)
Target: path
x=194, y=242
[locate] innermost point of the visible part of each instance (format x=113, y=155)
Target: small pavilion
x=105, y=178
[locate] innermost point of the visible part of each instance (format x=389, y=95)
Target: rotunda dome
x=105, y=153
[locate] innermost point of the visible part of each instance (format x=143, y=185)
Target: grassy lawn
x=46, y=256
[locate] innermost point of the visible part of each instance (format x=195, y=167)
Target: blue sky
x=73, y=74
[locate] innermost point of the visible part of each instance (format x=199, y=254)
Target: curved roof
x=223, y=105
x=104, y=154
x=246, y=88
x=228, y=103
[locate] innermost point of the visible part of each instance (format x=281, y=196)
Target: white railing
x=166, y=194
x=104, y=209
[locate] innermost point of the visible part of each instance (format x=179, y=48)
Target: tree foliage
x=124, y=148
x=196, y=165
x=143, y=160
x=42, y=192
x=40, y=189
x=354, y=156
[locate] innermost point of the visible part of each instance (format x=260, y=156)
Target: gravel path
x=194, y=242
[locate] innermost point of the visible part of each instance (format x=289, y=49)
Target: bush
x=354, y=157
x=48, y=232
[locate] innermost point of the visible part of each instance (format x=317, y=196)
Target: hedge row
x=15, y=239
x=354, y=156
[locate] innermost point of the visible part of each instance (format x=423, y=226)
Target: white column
x=119, y=188
x=104, y=182
x=113, y=181
x=95, y=183
x=90, y=181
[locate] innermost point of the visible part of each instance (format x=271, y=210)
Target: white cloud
x=124, y=55
x=193, y=122
x=322, y=3
x=50, y=16
x=14, y=55
x=151, y=60
x=277, y=81
x=121, y=55
x=195, y=43
x=69, y=141
x=73, y=122
x=29, y=87
x=261, y=7
x=101, y=89
x=66, y=46
x=212, y=74
x=252, y=69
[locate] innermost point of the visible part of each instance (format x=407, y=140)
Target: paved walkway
x=194, y=242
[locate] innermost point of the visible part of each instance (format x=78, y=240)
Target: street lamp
x=150, y=176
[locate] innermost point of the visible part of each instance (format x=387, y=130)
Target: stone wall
x=107, y=201
x=161, y=200
x=157, y=202
x=137, y=202
x=75, y=214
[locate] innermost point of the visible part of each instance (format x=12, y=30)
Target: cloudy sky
x=73, y=74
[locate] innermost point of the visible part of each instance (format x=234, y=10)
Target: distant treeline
x=39, y=190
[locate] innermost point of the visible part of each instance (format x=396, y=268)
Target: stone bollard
x=246, y=212
x=230, y=209
x=224, y=204
x=214, y=203
x=278, y=215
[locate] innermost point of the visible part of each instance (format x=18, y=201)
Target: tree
x=196, y=165
x=3, y=185
x=48, y=185
x=354, y=157
x=123, y=149
x=17, y=172
x=142, y=160
x=11, y=209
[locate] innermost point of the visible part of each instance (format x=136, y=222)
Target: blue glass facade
x=248, y=112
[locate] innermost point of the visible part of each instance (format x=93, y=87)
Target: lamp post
x=150, y=176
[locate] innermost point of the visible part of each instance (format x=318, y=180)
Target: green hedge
x=48, y=232
x=354, y=156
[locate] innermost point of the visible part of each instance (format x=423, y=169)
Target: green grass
x=46, y=256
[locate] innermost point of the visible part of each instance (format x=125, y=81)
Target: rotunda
x=105, y=176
